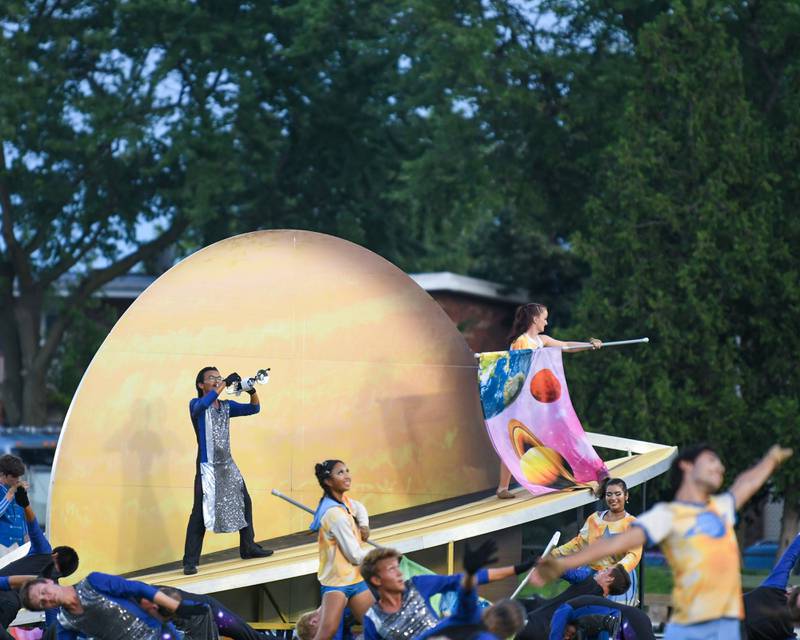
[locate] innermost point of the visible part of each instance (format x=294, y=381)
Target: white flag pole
x=615, y=343
x=553, y=542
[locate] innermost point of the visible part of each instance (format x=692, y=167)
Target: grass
x=658, y=581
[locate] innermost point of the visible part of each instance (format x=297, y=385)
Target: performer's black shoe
x=189, y=570
x=254, y=551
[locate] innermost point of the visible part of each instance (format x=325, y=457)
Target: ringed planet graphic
x=539, y=464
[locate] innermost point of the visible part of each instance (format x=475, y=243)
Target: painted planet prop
x=315, y=309
x=545, y=386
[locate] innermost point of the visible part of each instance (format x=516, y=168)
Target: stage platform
x=413, y=529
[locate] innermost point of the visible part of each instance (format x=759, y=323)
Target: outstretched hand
x=233, y=377
x=779, y=454
x=476, y=559
x=547, y=570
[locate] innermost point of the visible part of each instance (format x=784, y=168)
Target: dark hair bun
x=324, y=469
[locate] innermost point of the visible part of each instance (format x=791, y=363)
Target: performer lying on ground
x=593, y=614
x=221, y=501
x=404, y=609
x=41, y=560
x=103, y=607
x=228, y=623
x=530, y=321
x=468, y=621
x=584, y=582
x=340, y=551
x=770, y=612
x=604, y=524
x=696, y=533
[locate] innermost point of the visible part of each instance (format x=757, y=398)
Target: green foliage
x=687, y=247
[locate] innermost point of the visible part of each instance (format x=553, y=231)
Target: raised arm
x=550, y=568
x=750, y=481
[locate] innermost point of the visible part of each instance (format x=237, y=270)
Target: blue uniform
x=467, y=613
x=632, y=623
x=110, y=611
x=12, y=521
x=416, y=614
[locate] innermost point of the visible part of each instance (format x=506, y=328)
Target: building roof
x=453, y=282
x=131, y=285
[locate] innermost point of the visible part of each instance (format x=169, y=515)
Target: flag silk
x=532, y=423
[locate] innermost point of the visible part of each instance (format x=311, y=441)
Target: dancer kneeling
x=404, y=609
x=342, y=525
x=103, y=607
x=604, y=524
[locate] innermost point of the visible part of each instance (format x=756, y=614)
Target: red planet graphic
x=545, y=386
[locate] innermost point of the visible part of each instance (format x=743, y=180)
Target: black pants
x=196, y=528
x=10, y=605
x=229, y=624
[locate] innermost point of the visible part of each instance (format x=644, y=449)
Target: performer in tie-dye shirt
x=342, y=525
x=696, y=534
x=604, y=524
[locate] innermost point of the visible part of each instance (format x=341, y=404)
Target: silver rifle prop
x=553, y=542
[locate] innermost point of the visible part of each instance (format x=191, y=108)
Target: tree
x=108, y=120
x=686, y=231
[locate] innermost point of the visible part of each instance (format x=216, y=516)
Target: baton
x=553, y=542
x=616, y=343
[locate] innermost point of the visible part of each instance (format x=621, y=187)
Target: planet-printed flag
x=531, y=420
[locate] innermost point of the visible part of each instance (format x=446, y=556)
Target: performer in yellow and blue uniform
x=342, y=526
x=603, y=524
x=695, y=532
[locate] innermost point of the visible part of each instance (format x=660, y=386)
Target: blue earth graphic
x=501, y=376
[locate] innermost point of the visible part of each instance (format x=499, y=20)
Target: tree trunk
x=11, y=389
x=24, y=388
x=34, y=397
x=790, y=523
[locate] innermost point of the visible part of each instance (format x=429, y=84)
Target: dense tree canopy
x=634, y=164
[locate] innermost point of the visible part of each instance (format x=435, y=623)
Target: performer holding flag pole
x=527, y=332
x=582, y=346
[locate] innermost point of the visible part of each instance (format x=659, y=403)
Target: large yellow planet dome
x=365, y=366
